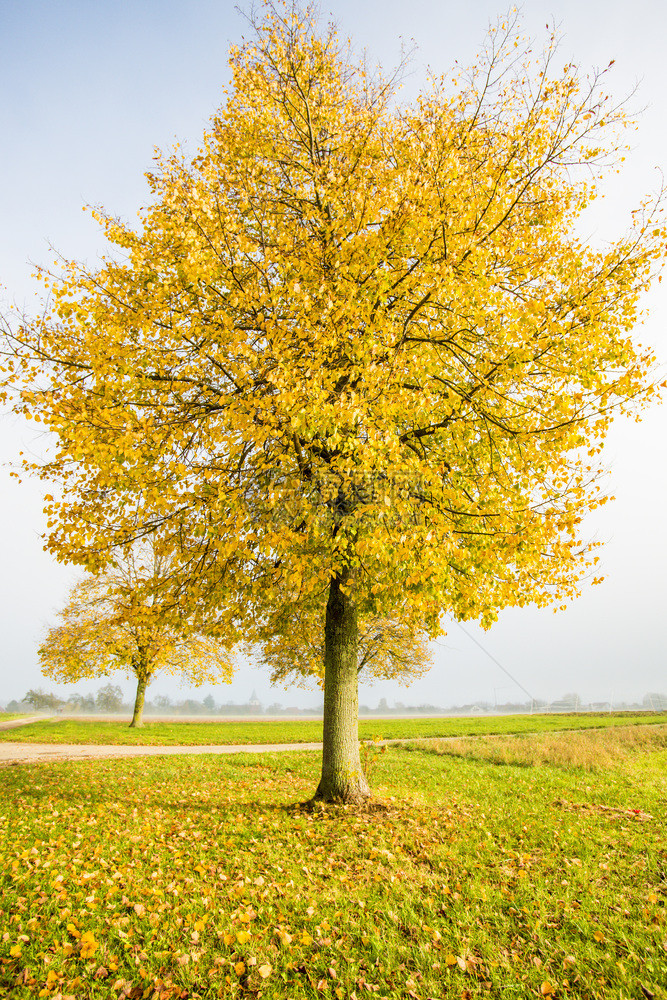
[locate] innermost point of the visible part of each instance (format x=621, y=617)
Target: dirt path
x=27, y=753
x=13, y=723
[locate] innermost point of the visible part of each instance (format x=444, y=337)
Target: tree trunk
x=342, y=777
x=137, y=715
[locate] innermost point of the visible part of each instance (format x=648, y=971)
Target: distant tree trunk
x=143, y=678
x=342, y=777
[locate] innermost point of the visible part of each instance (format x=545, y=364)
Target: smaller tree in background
x=42, y=701
x=109, y=698
x=80, y=703
x=291, y=645
x=87, y=703
x=124, y=619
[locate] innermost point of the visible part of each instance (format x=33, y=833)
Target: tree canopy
x=356, y=352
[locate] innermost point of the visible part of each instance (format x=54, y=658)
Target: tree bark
x=342, y=778
x=137, y=715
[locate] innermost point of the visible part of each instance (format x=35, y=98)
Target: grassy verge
x=309, y=731
x=11, y=716
x=190, y=878
x=590, y=750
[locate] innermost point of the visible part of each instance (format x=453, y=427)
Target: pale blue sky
x=90, y=88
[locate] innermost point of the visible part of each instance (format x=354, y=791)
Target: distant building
x=569, y=703
x=254, y=704
x=655, y=701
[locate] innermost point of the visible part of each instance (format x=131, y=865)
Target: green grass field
x=310, y=731
x=468, y=875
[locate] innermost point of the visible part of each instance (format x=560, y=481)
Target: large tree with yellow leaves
x=356, y=351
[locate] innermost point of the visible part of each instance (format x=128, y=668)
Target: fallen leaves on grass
x=191, y=878
x=636, y=814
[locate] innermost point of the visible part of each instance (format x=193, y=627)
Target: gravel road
x=28, y=753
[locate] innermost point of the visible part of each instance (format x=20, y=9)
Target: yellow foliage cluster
x=354, y=337
x=124, y=618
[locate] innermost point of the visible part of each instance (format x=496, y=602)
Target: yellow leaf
x=88, y=945
x=239, y=968
x=265, y=970
x=243, y=937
